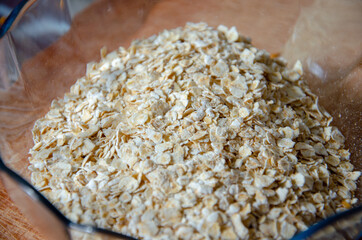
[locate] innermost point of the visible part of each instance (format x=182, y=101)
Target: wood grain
x=13, y=224
x=115, y=23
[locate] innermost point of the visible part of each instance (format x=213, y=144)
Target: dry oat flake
x=192, y=134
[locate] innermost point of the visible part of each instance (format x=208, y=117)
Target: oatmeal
x=192, y=134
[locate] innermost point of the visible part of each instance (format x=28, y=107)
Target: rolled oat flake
x=192, y=134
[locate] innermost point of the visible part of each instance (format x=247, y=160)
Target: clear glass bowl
x=45, y=46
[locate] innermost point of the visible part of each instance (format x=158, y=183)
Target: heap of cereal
x=192, y=134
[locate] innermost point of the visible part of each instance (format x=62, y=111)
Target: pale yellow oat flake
x=192, y=134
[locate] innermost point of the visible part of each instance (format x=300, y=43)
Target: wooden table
x=13, y=224
x=116, y=23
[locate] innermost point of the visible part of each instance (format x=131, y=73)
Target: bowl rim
x=14, y=16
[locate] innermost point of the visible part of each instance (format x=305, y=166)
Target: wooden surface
x=13, y=224
x=115, y=23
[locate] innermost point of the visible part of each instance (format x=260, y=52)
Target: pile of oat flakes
x=192, y=134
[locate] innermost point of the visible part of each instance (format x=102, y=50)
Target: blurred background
x=7, y=5
x=5, y=8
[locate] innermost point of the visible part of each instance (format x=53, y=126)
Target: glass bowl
x=45, y=46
